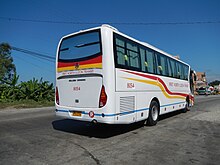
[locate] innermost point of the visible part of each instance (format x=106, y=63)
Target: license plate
x=76, y=113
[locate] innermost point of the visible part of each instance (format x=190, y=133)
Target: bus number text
x=76, y=88
x=130, y=85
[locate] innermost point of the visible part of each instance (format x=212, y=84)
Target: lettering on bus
x=172, y=84
x=78, y=72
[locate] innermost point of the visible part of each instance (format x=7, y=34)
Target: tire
x=153, y=113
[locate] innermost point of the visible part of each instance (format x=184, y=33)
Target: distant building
x=201, y=76
x=201, y=80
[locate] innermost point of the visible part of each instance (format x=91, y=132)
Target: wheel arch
x=157, y=100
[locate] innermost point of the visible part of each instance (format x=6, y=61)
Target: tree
x=7, y=68
x=213, y=83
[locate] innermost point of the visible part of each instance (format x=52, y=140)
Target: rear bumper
x=99, y=115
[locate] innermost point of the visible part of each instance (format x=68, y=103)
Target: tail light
x=57, y=96
x=102, y=98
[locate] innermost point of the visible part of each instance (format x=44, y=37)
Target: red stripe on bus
x=85, y=62
x=160, y=80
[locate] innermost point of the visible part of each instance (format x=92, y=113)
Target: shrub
x=29, y=90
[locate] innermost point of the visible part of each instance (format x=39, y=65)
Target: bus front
x=80, y=92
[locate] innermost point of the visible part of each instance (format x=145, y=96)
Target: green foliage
x=36, y=90
x=10, y=91
x=213, y=83
x=29, y=90
x=7, y=68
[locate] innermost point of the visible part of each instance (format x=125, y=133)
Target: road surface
x=37, y=136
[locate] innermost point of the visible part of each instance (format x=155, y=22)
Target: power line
x=115, y=23
x=35, y=65
x=35, y=54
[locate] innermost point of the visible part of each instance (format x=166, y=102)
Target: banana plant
x=29, y=90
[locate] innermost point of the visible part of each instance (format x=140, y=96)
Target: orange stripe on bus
x=88, y=66
x=157, y=83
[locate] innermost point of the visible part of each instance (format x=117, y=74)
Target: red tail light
x=57, y=96
x=102, y=98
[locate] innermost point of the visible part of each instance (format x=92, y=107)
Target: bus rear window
x=78, y=47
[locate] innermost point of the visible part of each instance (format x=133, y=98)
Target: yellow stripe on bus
x=156, y=83
x=87, y=66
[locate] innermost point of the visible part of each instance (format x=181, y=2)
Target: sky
x=38, y=25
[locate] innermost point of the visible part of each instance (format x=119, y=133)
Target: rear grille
x=127, y=104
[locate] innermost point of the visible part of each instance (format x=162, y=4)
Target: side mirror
x=195, y=78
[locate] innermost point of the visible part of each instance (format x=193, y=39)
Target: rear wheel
x=153, y=113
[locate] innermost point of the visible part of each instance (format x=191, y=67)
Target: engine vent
x=127, y=104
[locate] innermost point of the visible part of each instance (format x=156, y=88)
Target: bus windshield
x=78, y=47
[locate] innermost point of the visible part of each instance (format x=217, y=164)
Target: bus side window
x=173, y=67
x=170, y=72
x=150, y=61
x=179, y=70
x=159, y=68
x=186, y=70
x=133, y=54
x=143, y=60
x=122, y=58
x=163, y=64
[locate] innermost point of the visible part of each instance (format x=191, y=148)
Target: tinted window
x=179, y=70
x=147, y=60
x=185, y=72
x=121, y=56
x=173, y=67
x=120, y=51
x=170, y=71
x=80, y=46
x=150, y=61
x=162, y=65
x=133, y=56
x=127, y=53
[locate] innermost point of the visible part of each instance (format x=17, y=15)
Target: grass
x=25, y=104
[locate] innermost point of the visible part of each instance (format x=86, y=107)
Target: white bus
x=105, y=76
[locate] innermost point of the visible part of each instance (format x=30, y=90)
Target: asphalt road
x=37, y=136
